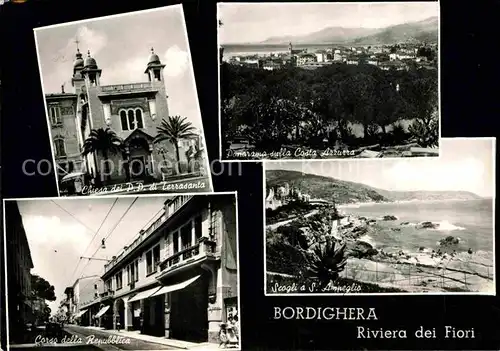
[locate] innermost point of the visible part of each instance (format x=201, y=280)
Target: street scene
x=123, y=273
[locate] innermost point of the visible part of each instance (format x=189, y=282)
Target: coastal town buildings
x=178, y=278
x=19, y=265
x=400, y=56
x=133, y=111
x=281, y=195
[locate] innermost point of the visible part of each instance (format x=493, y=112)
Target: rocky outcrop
x=449, y=241
x=389, y=218
x=427, y=225
x=361, y=249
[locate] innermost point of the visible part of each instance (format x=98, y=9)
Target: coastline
x=444, y=265
x=371, y=203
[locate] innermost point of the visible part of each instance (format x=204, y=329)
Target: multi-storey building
x=178, y=278
x=271, y=201
x=304, y=59
x=85, y=290
x=19, y=265
x=133, y=111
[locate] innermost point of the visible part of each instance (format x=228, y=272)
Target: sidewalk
x=159, y=340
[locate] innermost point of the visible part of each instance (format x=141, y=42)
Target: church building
x=133, y=112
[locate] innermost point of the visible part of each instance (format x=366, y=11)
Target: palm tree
x=105, y=141
x=173, y=130
x=327, y=261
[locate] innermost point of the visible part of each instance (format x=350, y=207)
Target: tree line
x=318, y=107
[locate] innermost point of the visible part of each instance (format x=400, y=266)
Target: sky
x=121, y=45
x=256, y=22
x=463, y=165
x=59, y=231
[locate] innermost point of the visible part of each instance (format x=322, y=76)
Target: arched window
x=55, y=114
x=138, y=118
x=123, y=118
x=131, y=119
x=60, y=148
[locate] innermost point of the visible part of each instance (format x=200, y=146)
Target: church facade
x=133, y=112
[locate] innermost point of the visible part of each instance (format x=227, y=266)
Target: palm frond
x=102, y=140
x=174, y=129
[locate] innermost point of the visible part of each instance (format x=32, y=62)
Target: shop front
x=79, y=317
x=103, y=317
x=134, y=311
x=186, y=302
x=88, y=316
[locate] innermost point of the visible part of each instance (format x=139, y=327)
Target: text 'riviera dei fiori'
x=449, y=332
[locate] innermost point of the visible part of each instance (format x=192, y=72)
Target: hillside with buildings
x=325, y=187
x=344, y=192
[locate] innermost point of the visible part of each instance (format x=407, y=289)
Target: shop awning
x=102, y=311
x=144, y=294
x=79, y=314
x=179, y=286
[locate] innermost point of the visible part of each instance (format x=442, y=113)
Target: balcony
x=107, y=294
x=202, y=251
x=144, y=234
x=127, y=88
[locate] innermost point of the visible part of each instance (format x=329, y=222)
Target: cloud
x=91, y=40
x=126, y=71
x=176, y=61
x=88, y=39
x=132, y=70
x=52, y=231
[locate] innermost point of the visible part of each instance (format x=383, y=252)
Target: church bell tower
x=154, y=69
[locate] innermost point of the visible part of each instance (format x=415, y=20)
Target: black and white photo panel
x=122, y=106
x=392, y=227
x=329, y=80
x=158, y=272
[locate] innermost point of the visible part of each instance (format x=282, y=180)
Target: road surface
x=86, y=334
x=288, y=221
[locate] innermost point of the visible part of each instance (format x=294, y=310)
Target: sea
x=471, y=221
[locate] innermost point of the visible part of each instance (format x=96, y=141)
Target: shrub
x=426, y=133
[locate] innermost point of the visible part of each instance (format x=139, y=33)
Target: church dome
x=153, y=58
x=78, y=61
x=90, y=62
